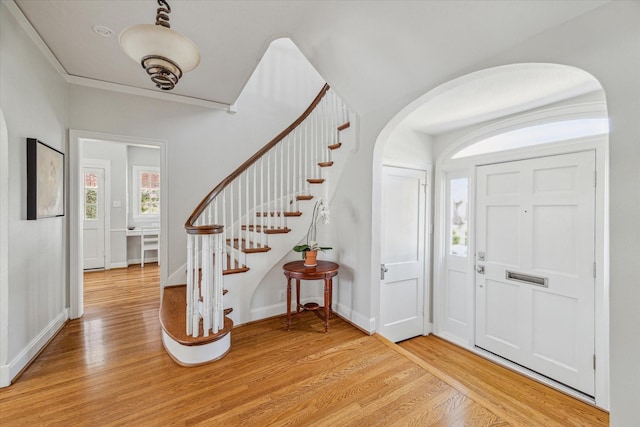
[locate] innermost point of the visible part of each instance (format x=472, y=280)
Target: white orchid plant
x=320, y=212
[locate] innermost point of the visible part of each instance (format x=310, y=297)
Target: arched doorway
x=478, y=107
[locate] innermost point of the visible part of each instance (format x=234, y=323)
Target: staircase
x=246, y=225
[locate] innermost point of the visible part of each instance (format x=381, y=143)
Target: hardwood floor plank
x=109, y=368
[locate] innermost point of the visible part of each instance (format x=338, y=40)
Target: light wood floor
x=109, y=368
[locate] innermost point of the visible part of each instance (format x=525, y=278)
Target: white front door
x=403, y=253
x=93, y=214
x=535, y=265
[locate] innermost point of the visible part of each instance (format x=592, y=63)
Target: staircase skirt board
x=189, y=356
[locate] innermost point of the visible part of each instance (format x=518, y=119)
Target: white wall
x=408, y=147
x=34, y=100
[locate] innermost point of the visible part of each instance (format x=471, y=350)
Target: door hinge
x=594, y=362
x=595, y=178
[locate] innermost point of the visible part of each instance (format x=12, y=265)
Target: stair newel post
x=207, y=260
x=190, y=282
x=219, y=284
x=195, y=295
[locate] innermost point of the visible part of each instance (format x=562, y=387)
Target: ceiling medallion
x=164, y=53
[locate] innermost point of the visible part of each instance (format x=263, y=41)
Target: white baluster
x=189, y=282
x=246, y=207
x=207, y=259
x=255, y=202
x=262, y=213
x=195, y=296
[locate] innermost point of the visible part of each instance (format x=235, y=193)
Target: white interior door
x=403, y=253
x=535, y=265
x=94, y=218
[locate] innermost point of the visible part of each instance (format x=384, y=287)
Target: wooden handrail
x=216, y=229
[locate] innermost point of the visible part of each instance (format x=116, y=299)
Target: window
x=146, y=192
x=90, y=196
x=535, y=135
x=458, y=224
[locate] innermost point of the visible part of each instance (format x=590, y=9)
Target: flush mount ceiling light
x=164, y=53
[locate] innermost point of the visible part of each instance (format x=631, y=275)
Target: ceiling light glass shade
x=163, y=52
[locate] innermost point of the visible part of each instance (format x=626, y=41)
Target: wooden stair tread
x=252, y=248
x=304, y=197
x=173, y=319
x=315, y=180
x=325, y=164
x=235, y=268
x=335, y=146
x=258, y=229
x=278, y=213
x=344, y=126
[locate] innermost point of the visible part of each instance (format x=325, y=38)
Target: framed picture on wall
x=45, y=180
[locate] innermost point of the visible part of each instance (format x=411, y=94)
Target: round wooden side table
x=325, y=270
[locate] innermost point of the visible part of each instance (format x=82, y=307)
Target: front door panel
x=535, y=298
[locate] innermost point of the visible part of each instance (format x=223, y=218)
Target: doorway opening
x=91, y=153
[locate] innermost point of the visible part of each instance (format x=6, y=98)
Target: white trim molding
x=114, y=87
x=5, y=378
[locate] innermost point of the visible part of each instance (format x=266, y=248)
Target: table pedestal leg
x=327, y=303
x=298, y=296
x=289, y=303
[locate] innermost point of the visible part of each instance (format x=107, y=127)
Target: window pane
x=90, y=196
x=91, y=212
x=149, y=193
x=458, y=194
x=90, y=180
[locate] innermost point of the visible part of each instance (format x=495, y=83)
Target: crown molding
x=113, y=87
x=130, y=90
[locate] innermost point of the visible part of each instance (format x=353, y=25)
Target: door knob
x=480, y=269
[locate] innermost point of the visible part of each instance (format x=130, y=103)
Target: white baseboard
x=37, y=344
x=367, y=324
x=268, y=311
x=5, y=378
x=119, y=265
x=138, y=261
x=178, y=277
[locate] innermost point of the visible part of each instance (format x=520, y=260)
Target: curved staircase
x=247, y=224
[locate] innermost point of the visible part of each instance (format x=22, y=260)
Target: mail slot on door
x=526, y=278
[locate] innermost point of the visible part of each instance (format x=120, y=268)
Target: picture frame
x=45, y=181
